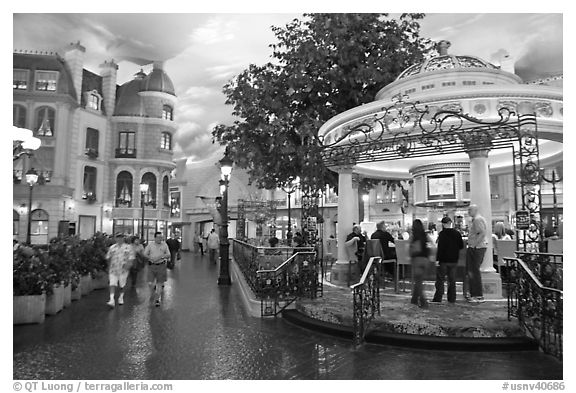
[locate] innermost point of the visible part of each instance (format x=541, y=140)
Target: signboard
x=441, y=187
x=522, y=219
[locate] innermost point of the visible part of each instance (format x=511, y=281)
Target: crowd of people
x=426, y=246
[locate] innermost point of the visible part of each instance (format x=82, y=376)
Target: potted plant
x=59, y=267
x=82, y=265
x=29, y=286
x=100, y=244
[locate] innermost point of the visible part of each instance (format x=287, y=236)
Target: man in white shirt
x=213, y=245
x=157, y=253
x=120, y=258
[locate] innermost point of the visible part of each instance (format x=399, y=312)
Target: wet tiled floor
x=201, y=331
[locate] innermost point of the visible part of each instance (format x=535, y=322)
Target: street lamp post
x=143, y=192
x=553, y=180
x=226, y=170
x=289, y=190
x=31, y=179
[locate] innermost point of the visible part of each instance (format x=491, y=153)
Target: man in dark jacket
x=449, y=245
x=385, y=238
x=174, y=247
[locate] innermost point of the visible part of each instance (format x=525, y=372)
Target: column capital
x=483, y=153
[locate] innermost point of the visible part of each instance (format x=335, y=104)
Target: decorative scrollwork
x=366, y=295
x=535, y=297
x=408, y=129
x=294, y=278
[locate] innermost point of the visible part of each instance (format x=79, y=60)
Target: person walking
x=419, y=251
x=213, y=245
x=157, y=253
x=449, y=245
x=174, y=247
x=477, y=244
x=200, y=242
x=120, y=258
x=139, y=259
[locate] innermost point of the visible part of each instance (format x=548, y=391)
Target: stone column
x=342, y=273
x=480, y=196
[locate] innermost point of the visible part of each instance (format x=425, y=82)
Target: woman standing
x=419, y=252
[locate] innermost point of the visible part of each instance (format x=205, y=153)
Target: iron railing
x=548, y=268
x=251, y=258
x=297, y=277
x=539, y=308
x=366, y=294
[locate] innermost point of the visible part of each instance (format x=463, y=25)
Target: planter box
x=55, y=301
x=100, y=281
x=85, y=284
x=67, y=295
x=29, y=309
x=76, y=293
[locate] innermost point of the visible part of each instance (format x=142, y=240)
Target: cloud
x=214, y=31
x=201, y=92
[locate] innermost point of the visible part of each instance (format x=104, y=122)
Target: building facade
x=100, y=141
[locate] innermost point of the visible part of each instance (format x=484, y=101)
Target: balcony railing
x=125, y=153
x=91, y=153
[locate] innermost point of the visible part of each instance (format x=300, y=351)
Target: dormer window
x=46, y=80
x=20, y=79
x=167, y=112
x=93, y=100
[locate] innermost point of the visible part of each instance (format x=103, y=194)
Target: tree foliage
x=322, y=65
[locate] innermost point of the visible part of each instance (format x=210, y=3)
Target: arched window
x=150, y=179
x=167, y=112
x=19, y=116
x=166, y=191
x=39, y=227
x=166, y=141
x=45, y=121
x=124, y=189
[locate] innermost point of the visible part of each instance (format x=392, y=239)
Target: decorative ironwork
x=407, y=129
x=251, y=258
x=366, y=294
x=528, y=181
x=539, y=308
x=296, y=277
x=548, y=268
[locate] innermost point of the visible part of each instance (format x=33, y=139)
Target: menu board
x=441, y=187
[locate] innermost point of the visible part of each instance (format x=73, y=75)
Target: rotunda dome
x=129, y=102
x=159, y=81
x=446, y=62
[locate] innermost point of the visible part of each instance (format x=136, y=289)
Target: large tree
x=321, y=66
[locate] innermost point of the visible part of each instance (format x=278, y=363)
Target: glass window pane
x=20, y=79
